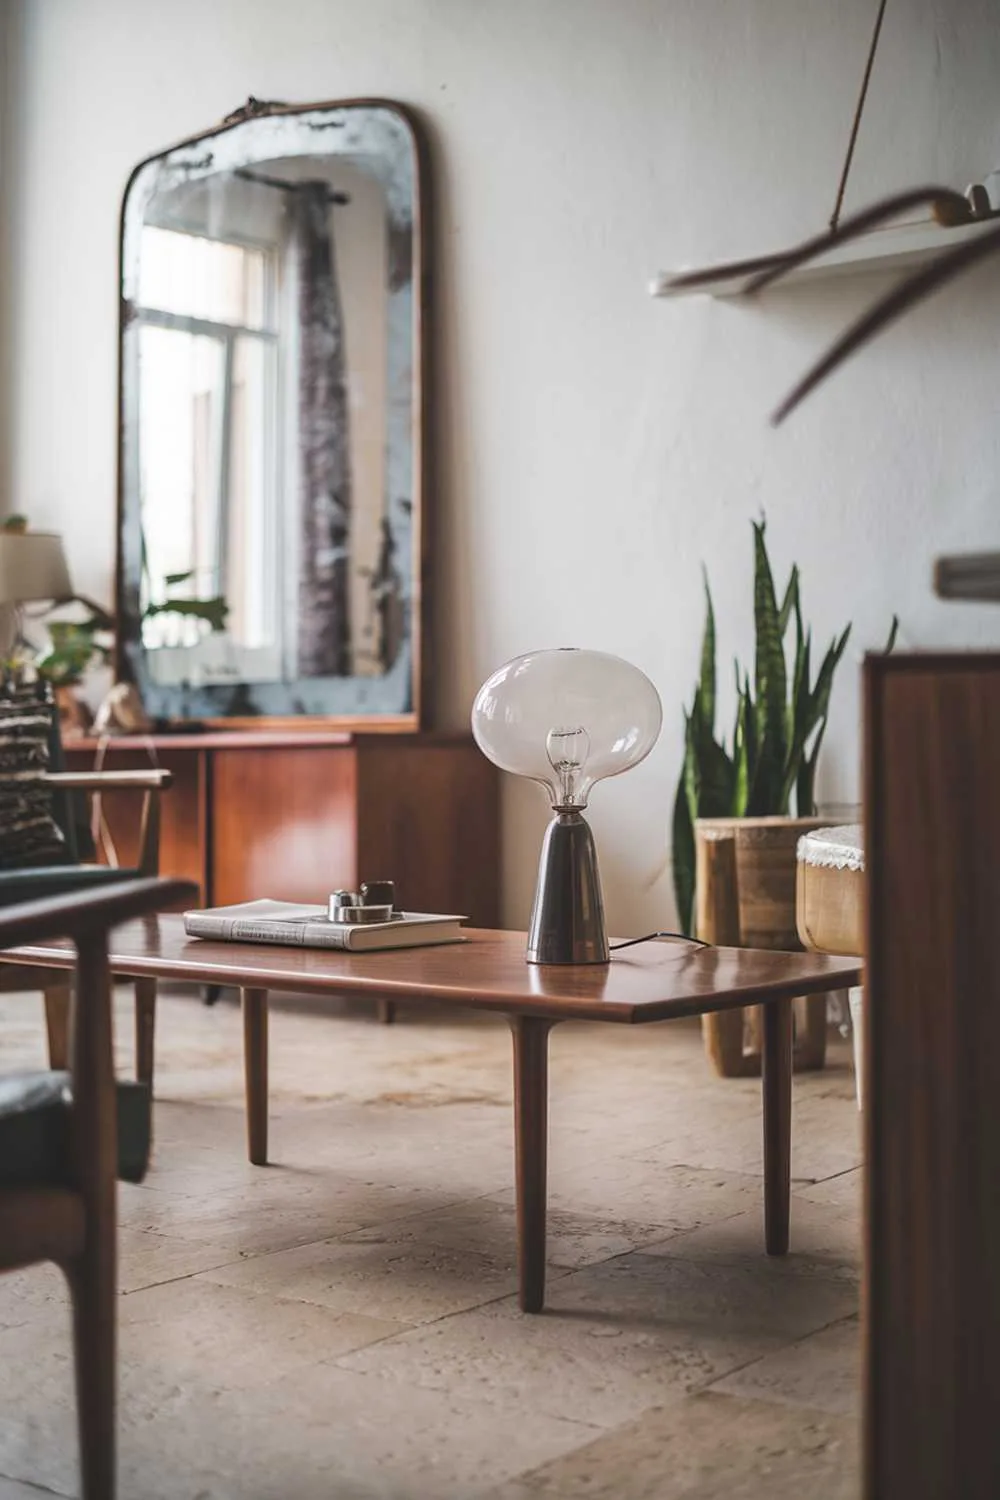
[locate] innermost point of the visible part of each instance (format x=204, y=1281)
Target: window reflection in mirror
x=207, y=396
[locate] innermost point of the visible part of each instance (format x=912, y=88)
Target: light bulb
x=567, y=719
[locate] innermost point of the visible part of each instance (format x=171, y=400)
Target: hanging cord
x=855, y=124
x=631, y=942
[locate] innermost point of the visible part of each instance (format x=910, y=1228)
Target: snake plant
x=779, y=728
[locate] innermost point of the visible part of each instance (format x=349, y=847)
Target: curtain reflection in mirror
x=324, y=441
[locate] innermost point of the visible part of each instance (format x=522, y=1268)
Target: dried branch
x=690, y=280
x=930, y=278
x=764, y=269
x=858, y=224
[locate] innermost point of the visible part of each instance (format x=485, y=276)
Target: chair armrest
x=109, y=781
x=152, y=781
x=82, y=913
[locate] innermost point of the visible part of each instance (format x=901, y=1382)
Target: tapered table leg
x=531, y=1107
x=145, y=1029
x=776, y=1069
x=255, y=1072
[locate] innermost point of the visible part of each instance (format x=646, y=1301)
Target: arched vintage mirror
x=271, y=506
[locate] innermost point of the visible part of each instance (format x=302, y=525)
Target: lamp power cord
x=650, y=936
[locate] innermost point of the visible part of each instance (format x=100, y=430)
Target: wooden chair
x=63, y=1140
x=78, y=874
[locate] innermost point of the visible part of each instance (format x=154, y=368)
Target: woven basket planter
x=745, y=898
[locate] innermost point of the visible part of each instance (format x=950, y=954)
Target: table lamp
x=567, y=719
x=32, y=566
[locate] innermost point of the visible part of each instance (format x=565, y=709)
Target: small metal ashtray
x=348, y=908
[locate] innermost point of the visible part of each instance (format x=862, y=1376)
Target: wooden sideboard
x=293, y=816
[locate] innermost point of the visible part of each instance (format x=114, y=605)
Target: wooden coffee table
x=657, y=981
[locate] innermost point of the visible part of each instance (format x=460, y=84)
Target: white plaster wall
x=595, y=446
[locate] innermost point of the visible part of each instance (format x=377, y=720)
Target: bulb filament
x=567, y=750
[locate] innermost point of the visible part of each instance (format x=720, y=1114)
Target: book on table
x=295, y=926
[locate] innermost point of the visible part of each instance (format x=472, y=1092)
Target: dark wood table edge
x=613, y=1013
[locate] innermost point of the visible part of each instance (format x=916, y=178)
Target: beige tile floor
x=342, y=1323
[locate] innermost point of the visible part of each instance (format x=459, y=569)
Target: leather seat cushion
x=36, y=1123
x=56, y=880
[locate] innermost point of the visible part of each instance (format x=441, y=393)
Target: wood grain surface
x=430, y=821
x=283, y=824
x=652, y=982
x=932, y=1078
x=830, y=909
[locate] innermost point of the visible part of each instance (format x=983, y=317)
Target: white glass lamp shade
x=32, y=566
x=567, y=719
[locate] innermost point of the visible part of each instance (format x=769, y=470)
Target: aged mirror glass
x=271, y=455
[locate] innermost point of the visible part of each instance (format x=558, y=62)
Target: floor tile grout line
x=244, y=1256
x=555, y=1271
x=458, y=1312
x=32, y=1484
x=734, y=1262
x=151, y=1286
x=560, y=1274
x=525, y=1478
x=783, y=1348
x=682, y=1234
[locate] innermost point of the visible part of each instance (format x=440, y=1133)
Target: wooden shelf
x=899, y=247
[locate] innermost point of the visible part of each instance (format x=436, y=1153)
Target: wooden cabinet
x=295, y=816
x=932, y=1077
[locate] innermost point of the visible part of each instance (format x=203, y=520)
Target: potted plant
x=743, y=792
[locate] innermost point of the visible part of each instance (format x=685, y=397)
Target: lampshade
x=567, y=719
x=32, y=566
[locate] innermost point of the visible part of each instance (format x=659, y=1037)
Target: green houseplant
x=74, y=645
x=779, y=727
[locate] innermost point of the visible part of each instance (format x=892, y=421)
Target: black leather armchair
x=66, y=1136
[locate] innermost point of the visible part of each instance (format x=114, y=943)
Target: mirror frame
x=420, y=563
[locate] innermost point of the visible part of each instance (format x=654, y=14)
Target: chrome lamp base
x=567, y=921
